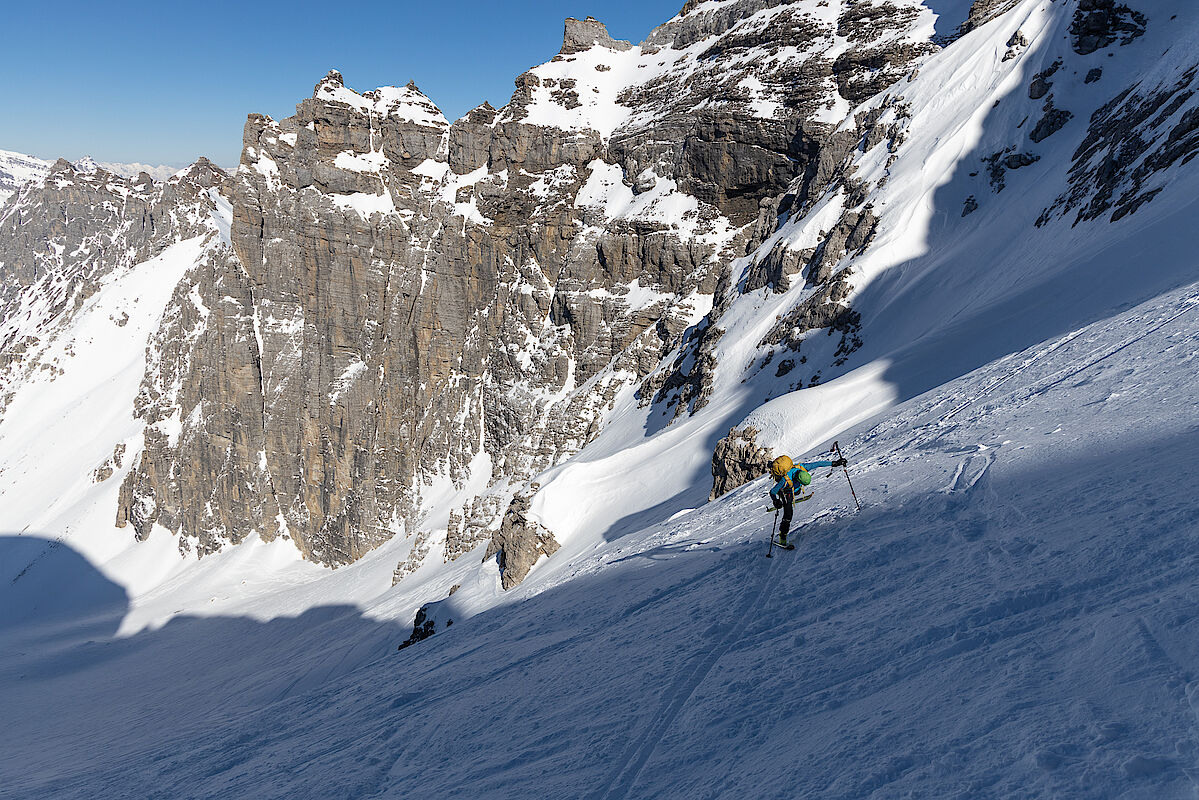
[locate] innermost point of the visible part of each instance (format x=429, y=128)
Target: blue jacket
x=792, y=476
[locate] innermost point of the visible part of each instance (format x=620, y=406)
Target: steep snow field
x=1013, y=612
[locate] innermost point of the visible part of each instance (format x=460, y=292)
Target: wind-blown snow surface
x=1013, y=612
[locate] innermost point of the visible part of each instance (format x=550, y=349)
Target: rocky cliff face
x=18, y=170
x=419, y=308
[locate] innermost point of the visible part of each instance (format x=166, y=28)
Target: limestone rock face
x=62, y=237
x=983, y=11
x=1121, y=163
x=583, y=35
x=1098, y=23
x=76, y=227
x=19, y=169
x=202, y=379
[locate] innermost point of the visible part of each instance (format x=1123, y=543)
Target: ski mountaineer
x=788, y=474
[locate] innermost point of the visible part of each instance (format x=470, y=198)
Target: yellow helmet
x=780, y=467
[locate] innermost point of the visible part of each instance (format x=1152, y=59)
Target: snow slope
x=17, y=169
x=1011, y=613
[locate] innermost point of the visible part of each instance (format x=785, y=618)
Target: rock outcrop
x=1130, y=143
x=581, y=36
x=737, y=460
x=1099, y=23
x=519, y=543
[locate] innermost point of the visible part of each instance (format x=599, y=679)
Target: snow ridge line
x=638, y=753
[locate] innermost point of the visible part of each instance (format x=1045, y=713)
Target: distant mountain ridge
x=18, y=169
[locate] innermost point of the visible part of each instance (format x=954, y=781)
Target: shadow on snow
x=652, y=678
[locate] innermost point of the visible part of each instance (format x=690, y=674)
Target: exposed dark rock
x=1040, y=84
x=416, y=557
x=688, y=384
x=580, y=35
x=731, y=163
x=1018, y=160
x=824, y=309
x=110, y=465
x=777, y=268
x=1052, y=122
x=423, y=627
x=871, y=63
x=983, y=11
x=1093, y=74
x=970, y=206
x=737, y=460
x=1098, y=23
x=850, y=236
x=1123, y=153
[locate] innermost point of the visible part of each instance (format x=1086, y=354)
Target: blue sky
x=166, y=82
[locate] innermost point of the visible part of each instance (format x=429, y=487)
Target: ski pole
x=770, y=549
x=837, y=449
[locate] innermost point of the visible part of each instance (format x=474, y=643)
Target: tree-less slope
x=1010, y=614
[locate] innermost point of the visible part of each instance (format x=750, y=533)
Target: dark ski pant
x=787, y=496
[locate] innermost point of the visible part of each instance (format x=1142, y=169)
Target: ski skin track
x=639, y=752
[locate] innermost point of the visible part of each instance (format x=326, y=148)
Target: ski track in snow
x=633, y=760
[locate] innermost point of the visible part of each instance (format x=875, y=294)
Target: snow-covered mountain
x=160, y=172
x=522, y=373
x=18, y=169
